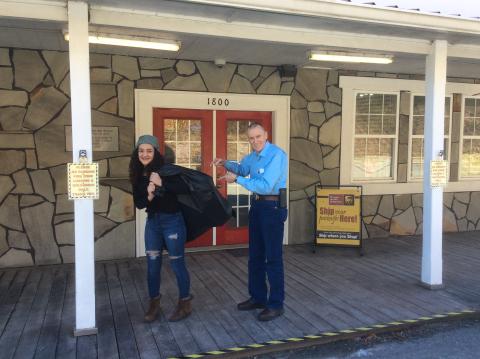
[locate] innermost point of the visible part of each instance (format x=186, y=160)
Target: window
x=382, y=135
x=375, y=137
x=417, y=137
x=470, y=160
x=182, y=137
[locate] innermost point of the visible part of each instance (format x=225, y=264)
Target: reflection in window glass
x=242, y=130
x=389, y=124
x=195, y=131
x=361, y=124
x=375, y=136
x=417, y=138
x=375, y=125
x=470, y=160
x=195, y=153
x=169, y=130
x=417, y=158
x=242, y=216
x=183, y=142
x=237, y=148
x=231, y=150
x=243, y=149
x=243, y=196
x=376, y=103
x=373, y=158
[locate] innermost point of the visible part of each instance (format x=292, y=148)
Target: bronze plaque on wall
x=104, y=138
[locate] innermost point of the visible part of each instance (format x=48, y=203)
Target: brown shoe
x=269, y=314
x=183, y=309
x=249, y=304
x=153, y=309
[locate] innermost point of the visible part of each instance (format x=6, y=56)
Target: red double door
x=189, y=138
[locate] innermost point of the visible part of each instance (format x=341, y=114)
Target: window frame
x=350, y=84
x=393, y=178
x=411, y=179
x=460, y=146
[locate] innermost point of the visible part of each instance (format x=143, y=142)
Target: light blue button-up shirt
x=267, y=170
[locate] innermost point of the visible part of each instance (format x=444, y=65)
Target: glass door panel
x=237, y=148
x=232, y=144
x=185, y=140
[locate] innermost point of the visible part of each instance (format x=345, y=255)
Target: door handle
x=219, y=186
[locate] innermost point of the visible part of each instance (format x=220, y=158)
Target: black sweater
x=166, y=198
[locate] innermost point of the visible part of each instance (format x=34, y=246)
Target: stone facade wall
x=386, y=215
x=316, y=105
x=315, y=159
x=36, y=218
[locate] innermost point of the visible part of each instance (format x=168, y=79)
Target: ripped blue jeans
x=166, y=230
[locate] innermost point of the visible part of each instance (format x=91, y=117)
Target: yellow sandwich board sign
x=338, y=216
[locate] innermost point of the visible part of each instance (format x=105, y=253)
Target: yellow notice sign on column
x=83, y=181
x=438, y=173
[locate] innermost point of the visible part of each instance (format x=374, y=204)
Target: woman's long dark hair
x=137, y=170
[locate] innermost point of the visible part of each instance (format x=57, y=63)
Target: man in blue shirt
x=264, y=172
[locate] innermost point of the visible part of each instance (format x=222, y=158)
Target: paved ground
x=450, y=340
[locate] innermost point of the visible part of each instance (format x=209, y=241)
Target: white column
x=82, y=140
x=435, y=81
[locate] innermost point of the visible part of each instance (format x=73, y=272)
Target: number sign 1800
x=218, y=101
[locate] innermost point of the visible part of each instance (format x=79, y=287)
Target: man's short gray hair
x=255, y=125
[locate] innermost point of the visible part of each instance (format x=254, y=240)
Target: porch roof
x=249, y=31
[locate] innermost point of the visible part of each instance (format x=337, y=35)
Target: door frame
x=147, y=100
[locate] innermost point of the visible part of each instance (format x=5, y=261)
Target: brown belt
x=268, y=197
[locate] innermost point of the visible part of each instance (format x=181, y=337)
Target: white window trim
x=460, y=146
x=395, y=137
x=410, y=135
x=351, y=84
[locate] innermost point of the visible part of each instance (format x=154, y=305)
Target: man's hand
x=156, y=179
x=218, y=162
x=229, y=177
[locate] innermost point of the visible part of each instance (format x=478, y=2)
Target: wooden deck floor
x=332, y=289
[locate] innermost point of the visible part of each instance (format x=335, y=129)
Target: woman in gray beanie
x=165, y=226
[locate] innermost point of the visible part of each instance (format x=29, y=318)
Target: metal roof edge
x=355, y=12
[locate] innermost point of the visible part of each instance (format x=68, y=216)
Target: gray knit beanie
x=148, y=139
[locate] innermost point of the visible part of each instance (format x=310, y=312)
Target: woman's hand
x=150, y=190
x=156, y=179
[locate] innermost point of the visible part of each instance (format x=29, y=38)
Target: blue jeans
x=266, y=222
x=166, y=230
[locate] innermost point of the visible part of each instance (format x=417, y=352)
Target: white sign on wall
x=83, y=181
x=438, y=173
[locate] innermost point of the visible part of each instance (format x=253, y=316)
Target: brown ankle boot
x=153, y=309
x=183, y=309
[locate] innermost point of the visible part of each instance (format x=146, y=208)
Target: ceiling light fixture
x=349, y=57
x=132, y=41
